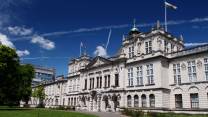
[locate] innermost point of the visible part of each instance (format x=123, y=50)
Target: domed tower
x=134, y=30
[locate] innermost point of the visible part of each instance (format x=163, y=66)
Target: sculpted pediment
x=98, y=61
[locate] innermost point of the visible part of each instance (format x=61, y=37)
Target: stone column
x=91, y=104
x=102, y=105
x=140, y=101
x=147, y=101
x=123, y=102
x=99, y=103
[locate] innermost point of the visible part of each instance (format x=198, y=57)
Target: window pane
x=194, y=100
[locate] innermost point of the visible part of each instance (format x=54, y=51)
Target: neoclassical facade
x=152, y=70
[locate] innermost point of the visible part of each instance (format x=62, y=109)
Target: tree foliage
x=26, y=75
x=15, y=79
x=9, y=81
x=39, y=93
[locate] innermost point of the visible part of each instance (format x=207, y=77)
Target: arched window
x=136, y=101
x=144, y=102
x=152, y=100
x=129, y=101
x=105, y=99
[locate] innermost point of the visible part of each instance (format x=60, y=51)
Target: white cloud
x=194, y=44
x=100, y=51
x=45, y=57
x=4, y=40
x=82, y=30
x=20, y=31
x=42, y=42
x=21, y=53
x=175, y=22
x=199, y=19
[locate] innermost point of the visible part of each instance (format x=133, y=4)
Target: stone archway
x=115, y=101
x=106, y=101
x=93, y=100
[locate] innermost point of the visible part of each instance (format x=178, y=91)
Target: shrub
x=41, y=105
x=132, y=113
x=68, y=107
x=73, y=108
x=60, y=107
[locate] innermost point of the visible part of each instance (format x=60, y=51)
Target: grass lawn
x=139, y=113
x=179, y=115
x=40, y=113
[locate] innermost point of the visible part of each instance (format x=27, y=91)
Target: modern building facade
x=43, y=74
x=152, y=70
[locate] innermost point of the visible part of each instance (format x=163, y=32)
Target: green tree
x=15, y=79
x=9, y=81
x=39, y=93
x=26, y=75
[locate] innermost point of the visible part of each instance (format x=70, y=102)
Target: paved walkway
x=105, y=114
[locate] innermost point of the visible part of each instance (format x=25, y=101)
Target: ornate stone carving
x=183, y=66
x=199, y=64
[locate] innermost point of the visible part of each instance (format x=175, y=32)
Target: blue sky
x=49, y=32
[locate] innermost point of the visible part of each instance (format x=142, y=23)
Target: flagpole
x=166, y=28
x=80, y=51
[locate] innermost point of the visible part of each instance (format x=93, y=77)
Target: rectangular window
x=178, y=101
x=131, y=52
x=116, y=80
x=108, y=80
x=150, y=74
x=130, y=76
x=177, y=73
x=90, y=83
x=85, y=84
x=206, y=68
x=105, y=84
x=148, y=47
x=192, y=71
x=194, y=100
x=166, y=46
x=98, y=82
x=139, y=75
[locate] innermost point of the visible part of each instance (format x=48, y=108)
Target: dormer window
x=148, y=47
x=131, y=52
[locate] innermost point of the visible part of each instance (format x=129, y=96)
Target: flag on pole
x=170, y=5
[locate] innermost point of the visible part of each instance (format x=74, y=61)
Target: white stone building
x=151, y=71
